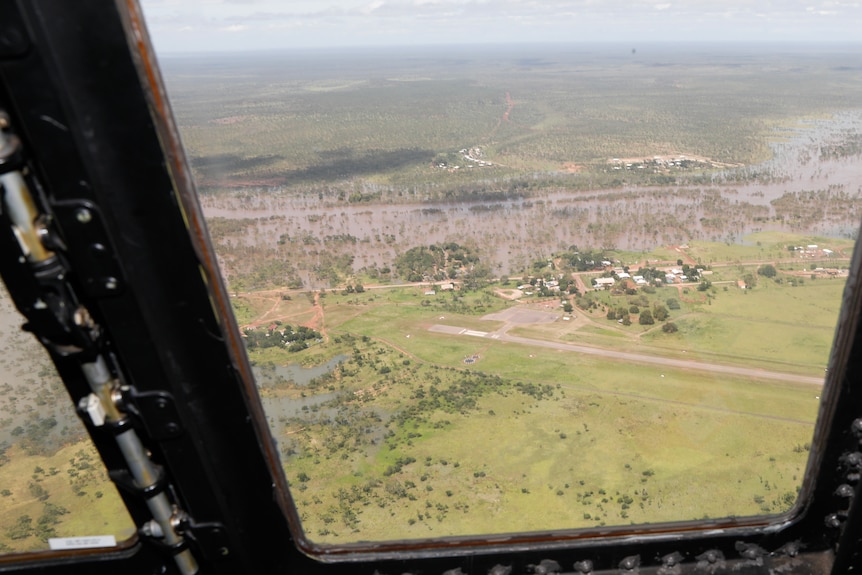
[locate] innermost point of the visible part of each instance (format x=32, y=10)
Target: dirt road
x=502, y=335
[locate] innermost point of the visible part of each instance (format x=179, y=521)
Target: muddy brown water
x=515, y=232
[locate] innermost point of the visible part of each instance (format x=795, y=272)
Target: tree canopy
x=767, y=271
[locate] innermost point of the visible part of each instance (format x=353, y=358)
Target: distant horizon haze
x=229, y=25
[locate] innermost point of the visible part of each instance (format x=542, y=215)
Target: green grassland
x=64, y=494
x=775, y=326
x=409, y=441
x=762, y=246
x=582, y=459
x=790, y=326
x=597, y=444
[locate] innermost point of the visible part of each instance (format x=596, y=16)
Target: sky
x=229, y=25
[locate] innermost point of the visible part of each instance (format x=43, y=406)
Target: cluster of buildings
x=812, y=251
x=675, y=275
x=551, y=286
x=658, y=164
x=471, y=159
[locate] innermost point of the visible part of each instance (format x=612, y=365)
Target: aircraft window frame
x=58, y=70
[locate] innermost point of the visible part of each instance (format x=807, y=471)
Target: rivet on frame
x=546, y=566
x=844, y=490
x=671, y=564
x=750, y=551
x=630, y=563
x=711, y=560
x=790, y=549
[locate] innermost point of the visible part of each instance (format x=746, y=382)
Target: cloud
x=376, y=5
x=376, y=22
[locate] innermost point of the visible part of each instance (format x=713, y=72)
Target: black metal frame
x=81, y=86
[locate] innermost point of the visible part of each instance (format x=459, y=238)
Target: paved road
x=633, y=357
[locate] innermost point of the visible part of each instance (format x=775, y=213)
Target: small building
x=604, y=282
x=430, y=292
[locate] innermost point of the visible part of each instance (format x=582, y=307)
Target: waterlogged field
x=452, y=414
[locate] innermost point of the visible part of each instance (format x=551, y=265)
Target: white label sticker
x=93, y=407
x=60, y=543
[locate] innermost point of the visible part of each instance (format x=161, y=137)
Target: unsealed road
x=632, y=357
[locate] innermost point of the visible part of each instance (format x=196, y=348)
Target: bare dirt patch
x=510, y=294
x=523, y=315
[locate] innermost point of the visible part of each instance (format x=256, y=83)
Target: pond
x=269, y=375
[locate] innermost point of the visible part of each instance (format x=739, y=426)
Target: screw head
x=844, y=490
x=84, y=216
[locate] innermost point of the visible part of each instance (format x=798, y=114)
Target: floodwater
x=320, y=407
x=515, y=232
x=295, y=373
x=282, y=408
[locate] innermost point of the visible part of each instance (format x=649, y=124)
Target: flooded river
x=812, y=185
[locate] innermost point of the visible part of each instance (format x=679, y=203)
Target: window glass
x=493, y=288
x=54, y=490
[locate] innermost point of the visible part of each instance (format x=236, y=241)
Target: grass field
x=597, y=432
x=408, y=440
x=65, y=494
